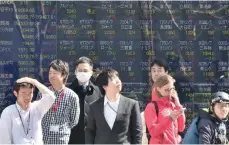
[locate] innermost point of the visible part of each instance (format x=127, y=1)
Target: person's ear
x=91, y=72
x=211, y=108
x=105, y=88
x=15, y=93
x=63, y=75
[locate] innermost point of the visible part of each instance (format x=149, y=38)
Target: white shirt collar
x=84, y=85
x=20, y=109
x=106, y=100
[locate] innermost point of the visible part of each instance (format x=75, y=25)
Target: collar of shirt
x=57, y=92
x=106, y=100
x=20, y=109
x=84, y=85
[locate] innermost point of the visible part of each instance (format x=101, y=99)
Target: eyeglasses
x=170, y=89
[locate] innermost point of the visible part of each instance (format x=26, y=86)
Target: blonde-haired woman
x=164, y=126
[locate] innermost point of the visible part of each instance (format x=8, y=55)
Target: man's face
x=84, y=67
x=221, y=110
x=114, y=85
x=24, y=96
x=156, y=71
x=83, y=72
x=55, y=77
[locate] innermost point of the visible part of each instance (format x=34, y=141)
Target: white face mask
x=83, y=77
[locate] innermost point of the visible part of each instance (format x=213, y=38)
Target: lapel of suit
x=101, y=111
x=121, y=109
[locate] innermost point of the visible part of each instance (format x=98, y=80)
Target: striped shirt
x=65, y=117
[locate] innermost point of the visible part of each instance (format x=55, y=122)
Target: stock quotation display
x=193, y=37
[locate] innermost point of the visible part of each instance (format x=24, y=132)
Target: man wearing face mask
x=87, y=93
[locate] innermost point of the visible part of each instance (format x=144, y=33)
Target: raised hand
x=26, y=80
x=174, y=95
x=175, y=114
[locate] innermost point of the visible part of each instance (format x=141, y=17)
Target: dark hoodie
x=211, y=130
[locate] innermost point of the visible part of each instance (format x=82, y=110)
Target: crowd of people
x=87, y=112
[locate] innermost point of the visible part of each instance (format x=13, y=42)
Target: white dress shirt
x=144, y=135
x=110, y=111
x=14, y=128
x=84, y=85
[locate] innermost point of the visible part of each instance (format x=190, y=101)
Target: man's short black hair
x=103, y=78
x=84, y=59
x=161, y=63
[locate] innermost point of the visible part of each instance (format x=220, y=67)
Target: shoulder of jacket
x=205, y=123
x=96, y=88
x=73, y=84
x=129, y=100
x=71, y=93
x=96, y=102
x=151, y=104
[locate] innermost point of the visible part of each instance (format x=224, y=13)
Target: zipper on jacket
x=174, y=129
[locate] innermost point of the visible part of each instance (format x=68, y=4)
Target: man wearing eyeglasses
x=87, y=93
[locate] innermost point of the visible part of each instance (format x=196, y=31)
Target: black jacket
x=127, y=127
x=91, y=94
x=211, y=130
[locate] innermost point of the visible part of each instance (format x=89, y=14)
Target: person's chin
x=222, y=117
x=27, y=102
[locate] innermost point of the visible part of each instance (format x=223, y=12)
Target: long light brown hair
x=163, y=80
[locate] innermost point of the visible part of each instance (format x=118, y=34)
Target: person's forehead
x=114, y=76
x=222, y=104
x=52, y=70
x=25, y=89
x=155, y=66
x=83, y=66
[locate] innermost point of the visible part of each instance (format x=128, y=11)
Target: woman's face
x=167, y=89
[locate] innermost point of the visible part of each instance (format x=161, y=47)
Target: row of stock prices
x=192, y=36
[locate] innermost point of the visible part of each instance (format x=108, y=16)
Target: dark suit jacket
x=127, y=127
x=86, y=97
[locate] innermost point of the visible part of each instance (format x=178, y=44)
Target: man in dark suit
x=87, y=93
x=113, y=119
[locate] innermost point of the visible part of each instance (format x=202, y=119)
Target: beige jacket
x=144, y=136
